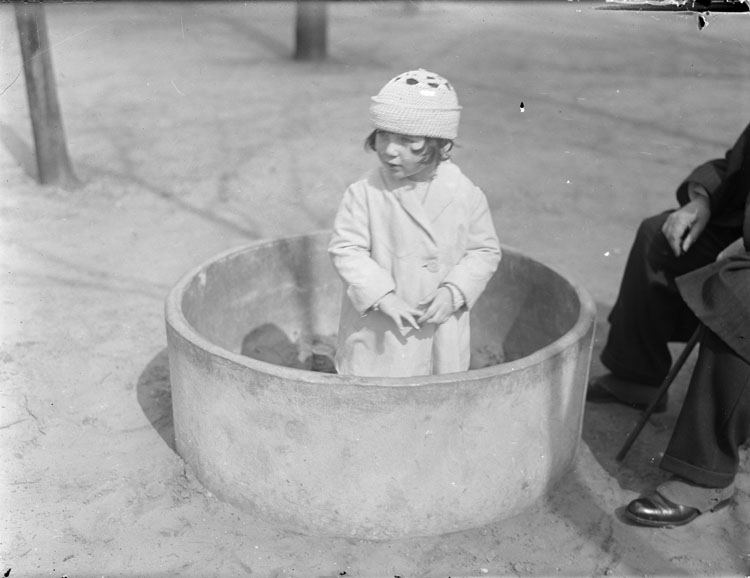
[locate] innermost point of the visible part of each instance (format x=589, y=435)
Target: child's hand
x=397, y=309
x=439, y=307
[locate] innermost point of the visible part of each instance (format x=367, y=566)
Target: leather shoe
x=598, y=393
x=657, y=511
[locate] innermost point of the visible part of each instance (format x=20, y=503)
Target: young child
x=413, y=240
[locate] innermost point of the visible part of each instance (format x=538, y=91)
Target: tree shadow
x=20, y=150
x=154, y=392
x=172, y=198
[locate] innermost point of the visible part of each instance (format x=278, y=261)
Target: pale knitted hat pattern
x=417, y=103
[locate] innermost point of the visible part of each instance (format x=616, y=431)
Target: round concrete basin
x=374, y=458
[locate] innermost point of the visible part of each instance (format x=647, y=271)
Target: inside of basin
x=287, y=292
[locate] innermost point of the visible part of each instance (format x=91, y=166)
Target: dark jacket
x=719, y=293
x=727, y=181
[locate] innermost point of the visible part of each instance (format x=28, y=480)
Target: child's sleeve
x=474, y=270
x=350, y=250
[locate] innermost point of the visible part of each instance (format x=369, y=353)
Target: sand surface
x=194, y=132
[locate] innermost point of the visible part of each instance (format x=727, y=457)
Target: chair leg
x=674, y=370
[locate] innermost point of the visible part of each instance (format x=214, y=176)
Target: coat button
x=433, y=266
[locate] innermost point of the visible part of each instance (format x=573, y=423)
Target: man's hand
x=685, y=225
x=397, y=309
x=438, y=306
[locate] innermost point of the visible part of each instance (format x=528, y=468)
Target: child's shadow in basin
x=266, y=343
x=154, y=393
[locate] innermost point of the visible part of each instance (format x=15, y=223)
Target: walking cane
x=675, y=369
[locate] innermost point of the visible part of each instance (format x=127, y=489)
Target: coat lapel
x=424, y=202
x=410, y=198
x=440, y=196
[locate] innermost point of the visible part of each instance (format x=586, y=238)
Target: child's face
x=402, y=155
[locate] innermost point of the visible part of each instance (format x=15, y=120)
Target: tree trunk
x=311, y=30
x=52, y=159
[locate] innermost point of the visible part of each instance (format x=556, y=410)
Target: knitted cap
x=417, y=103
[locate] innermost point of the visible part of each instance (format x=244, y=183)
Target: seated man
x=672, y=282
x=649, y=311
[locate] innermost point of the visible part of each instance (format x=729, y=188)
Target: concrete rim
x=176, y=319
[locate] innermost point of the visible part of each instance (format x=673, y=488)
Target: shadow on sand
x=154, y=393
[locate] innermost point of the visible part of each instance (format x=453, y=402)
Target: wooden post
x=49, y=137
x=311, y=30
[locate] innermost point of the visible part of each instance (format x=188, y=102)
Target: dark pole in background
x=311, y=30
x=49, y=137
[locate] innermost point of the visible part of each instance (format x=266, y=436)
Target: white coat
x=409, y=237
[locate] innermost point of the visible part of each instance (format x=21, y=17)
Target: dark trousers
x=649, y=312
x=715, y=418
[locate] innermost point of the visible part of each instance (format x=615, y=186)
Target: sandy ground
x=194, y=132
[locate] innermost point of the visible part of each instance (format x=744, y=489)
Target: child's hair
x=435, y=149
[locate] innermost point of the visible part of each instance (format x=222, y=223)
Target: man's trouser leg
x=715, y=418
x=649, y=312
